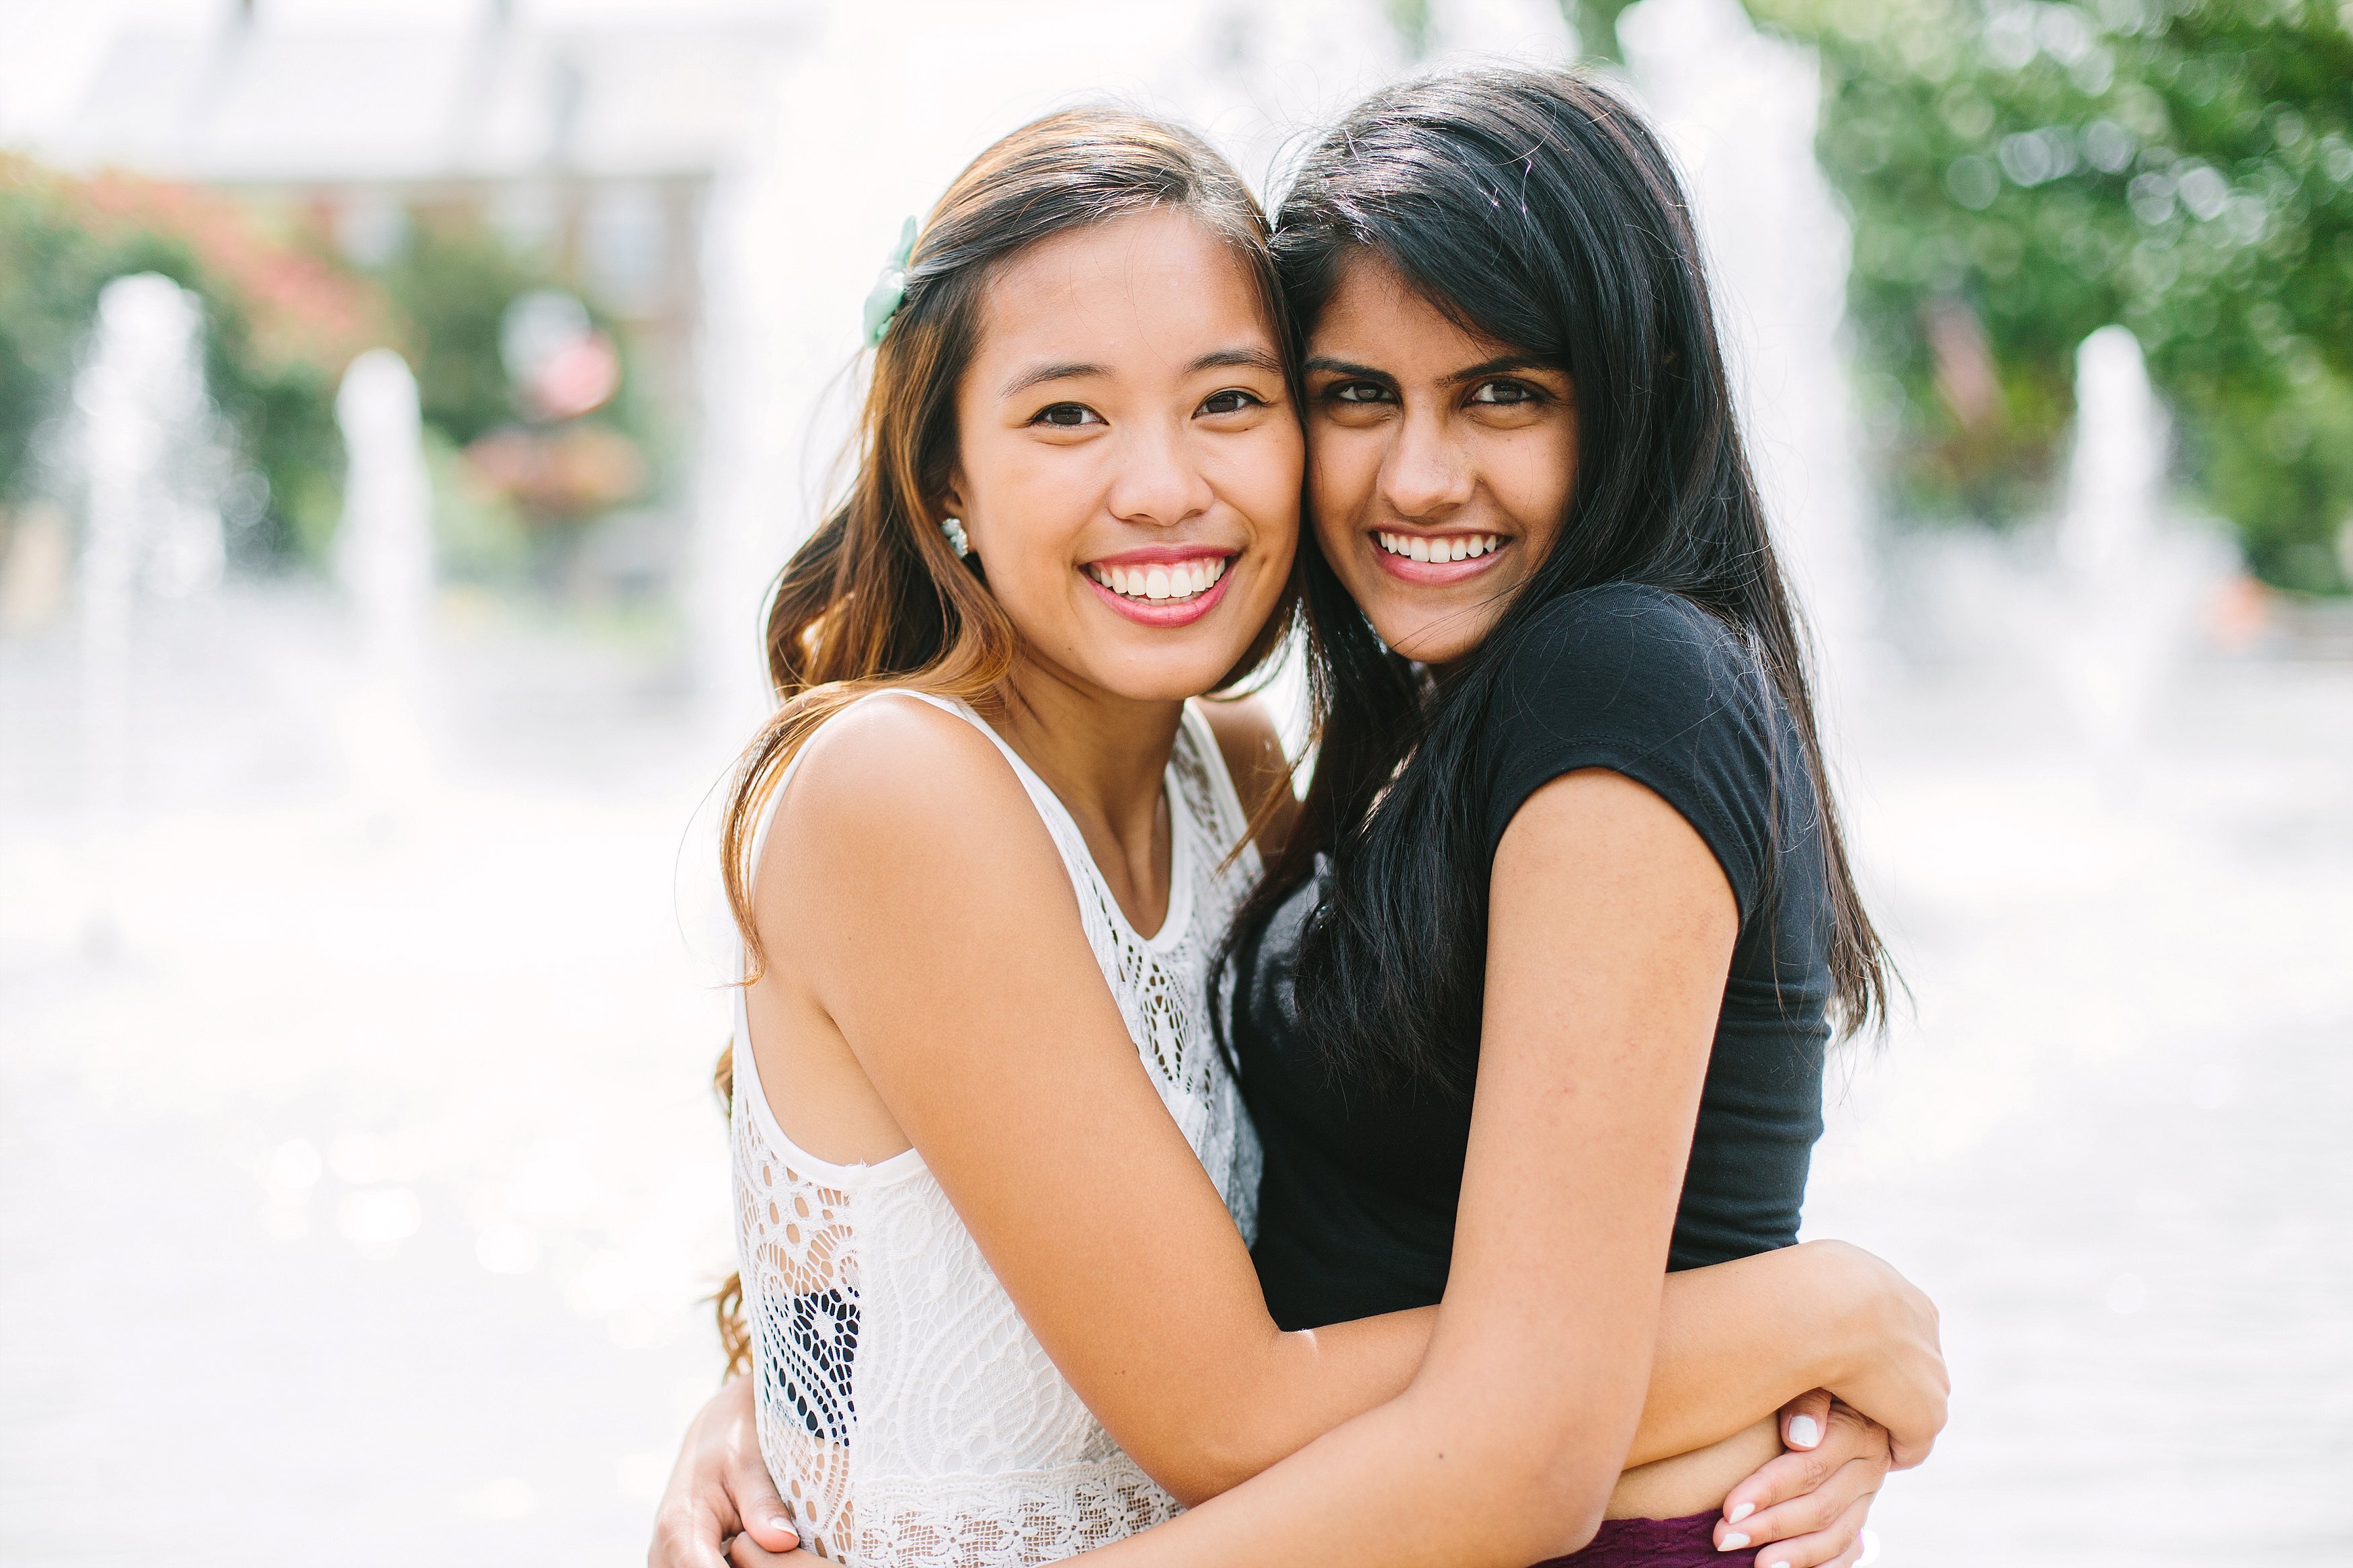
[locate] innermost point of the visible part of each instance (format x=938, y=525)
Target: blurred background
x=404, y=403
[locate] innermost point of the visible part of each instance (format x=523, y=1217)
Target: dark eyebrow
x=1345, y=367
x=1253, y=359
x=1063, y=371
x=1500, y=365
x=1248, y=358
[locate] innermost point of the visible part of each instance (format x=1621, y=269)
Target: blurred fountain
x=156, y=469
x=2129, y=586
x=1740, y=109
x=383, y=560
x=1526, y=30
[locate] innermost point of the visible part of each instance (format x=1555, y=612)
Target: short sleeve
x=1645, y=683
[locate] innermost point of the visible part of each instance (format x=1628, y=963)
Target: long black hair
x=1535, y=208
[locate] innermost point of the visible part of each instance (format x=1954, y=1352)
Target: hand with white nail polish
x=721, y=1507
x=1807, y=1508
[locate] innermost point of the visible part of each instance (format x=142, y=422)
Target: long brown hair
x=876, y=597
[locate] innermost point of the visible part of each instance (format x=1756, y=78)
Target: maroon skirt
x=1688, y=1543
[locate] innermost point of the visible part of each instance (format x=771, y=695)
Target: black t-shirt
x=1356, y=1210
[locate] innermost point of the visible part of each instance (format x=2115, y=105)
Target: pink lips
x=1432, y=573
x=1164, y=613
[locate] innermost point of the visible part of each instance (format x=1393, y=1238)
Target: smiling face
x=1440, y=462
x=1128, y=462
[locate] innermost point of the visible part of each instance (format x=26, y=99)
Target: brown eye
x=1506, y=394
x=1233, y=400
x=1067, y=415
x=1358, y=392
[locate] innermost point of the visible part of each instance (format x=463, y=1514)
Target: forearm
x=1259, y=1409
x=1432, y=1479
x=1737, y=1341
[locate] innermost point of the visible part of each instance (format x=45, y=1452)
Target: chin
x=1427, y=640
x=1164, y=681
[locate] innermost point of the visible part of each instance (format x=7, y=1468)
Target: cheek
x=1531, y=480
x=1261, y=479
x=1343, y=469
x=1026, y=519
x=1338, y=539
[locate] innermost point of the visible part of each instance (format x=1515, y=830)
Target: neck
x=1102, y=754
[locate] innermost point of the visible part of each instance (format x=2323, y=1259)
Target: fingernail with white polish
x=1733, y=1542
x=1780, y=1565
x=1740, y=1511
x=1803, y=1432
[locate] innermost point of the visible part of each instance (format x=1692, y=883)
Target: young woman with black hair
x=1565, y=886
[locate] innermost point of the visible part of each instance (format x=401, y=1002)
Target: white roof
x=272, y=104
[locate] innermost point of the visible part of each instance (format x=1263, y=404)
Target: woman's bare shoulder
x=894, y=782
x=1262, y=772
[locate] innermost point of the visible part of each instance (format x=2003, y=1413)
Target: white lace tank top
x=906, y=1412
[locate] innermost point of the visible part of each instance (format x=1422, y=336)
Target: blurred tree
x=453, y=282
x=1411, y=20
x=517, y=463
x=280, y=324
x=2022, y=174
x=1596, y=22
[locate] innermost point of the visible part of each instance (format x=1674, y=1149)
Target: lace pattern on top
x=909, y=1416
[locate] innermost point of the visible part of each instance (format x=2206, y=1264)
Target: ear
x=951, y=496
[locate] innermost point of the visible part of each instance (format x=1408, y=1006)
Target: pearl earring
x=954, y=528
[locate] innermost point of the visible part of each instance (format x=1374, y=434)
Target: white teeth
x=1157, y=585
x=1454, y=547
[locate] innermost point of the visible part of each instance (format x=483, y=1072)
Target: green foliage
x=478, y=535
x=452, y=283
x=1596, y=22
x=1411, y=20
x=282, y=320
x=2021, y=175
x=279, y=323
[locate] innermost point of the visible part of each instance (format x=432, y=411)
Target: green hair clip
x=890, y=288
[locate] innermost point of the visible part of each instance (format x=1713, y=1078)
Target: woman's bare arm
x=1736, y=1341
x=1610, y=936
x=927, y=912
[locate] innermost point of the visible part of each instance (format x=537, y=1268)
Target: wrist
x=1848, y=1304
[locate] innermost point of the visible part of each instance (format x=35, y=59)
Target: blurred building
x=592, y=148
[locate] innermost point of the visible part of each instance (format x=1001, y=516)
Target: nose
x=1159, y=481
x=1426, y=475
